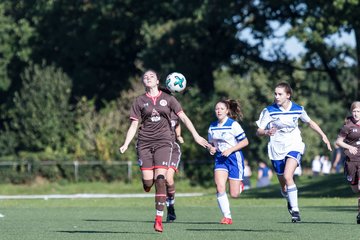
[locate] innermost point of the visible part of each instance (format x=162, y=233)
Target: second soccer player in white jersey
x=227, y=139
x=279, y=121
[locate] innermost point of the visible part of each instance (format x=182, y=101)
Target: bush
x=41, y=115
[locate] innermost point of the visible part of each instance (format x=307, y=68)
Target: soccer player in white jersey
x=227, y=138
x=279, y=121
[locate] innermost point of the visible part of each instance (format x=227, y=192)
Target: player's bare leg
x=283, y=191
x=291, y=189
x=223, y=201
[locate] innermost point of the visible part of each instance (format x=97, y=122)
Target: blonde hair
x=354, y=105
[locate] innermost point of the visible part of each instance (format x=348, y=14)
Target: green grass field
x=258, y=214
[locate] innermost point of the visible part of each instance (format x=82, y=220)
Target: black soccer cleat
x=171, y=216
x=358, y=218
x=295, y=217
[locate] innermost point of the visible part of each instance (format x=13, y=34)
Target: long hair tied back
x=234, y=108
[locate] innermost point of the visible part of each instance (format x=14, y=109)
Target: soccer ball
x=175, y=82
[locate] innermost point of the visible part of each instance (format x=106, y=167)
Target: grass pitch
x=258, y=214
x=198, y=217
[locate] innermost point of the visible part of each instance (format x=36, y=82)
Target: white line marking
x=91, y=195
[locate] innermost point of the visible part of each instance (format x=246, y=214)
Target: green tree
x=95, y=42
x=41, y=116
x=315, y=24
x=15, y=35
x=100, y=132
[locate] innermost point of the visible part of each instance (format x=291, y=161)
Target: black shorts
x=352, y=171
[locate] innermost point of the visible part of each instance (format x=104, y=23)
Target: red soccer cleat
x=158, y=226
x=225, y=220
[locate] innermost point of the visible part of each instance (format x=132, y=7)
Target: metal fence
x=76, y=165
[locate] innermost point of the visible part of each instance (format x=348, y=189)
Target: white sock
x=293, y=197
x=170, y=202
x=224, y=204
x=159, y=213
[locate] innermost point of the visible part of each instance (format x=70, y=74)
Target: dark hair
x=150, y=70
x=234, y=108
x=287, y=88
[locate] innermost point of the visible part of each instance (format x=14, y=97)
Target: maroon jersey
x=351, y=134
x=155, y=115
x=174, y=122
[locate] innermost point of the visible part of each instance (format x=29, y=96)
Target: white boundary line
x=90, y=195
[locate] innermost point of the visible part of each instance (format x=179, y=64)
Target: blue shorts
x=233, y=164
x=279, y=165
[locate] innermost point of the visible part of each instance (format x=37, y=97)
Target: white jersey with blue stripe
x=225, y=136
x=288, y=136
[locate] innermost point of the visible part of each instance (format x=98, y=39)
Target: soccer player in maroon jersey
x=349, y=140
x=173, y=167
x=154, y=144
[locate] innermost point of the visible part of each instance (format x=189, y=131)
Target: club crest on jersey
x=354, y=130
x=155, y=116
x=146, y=104
x=163, y=102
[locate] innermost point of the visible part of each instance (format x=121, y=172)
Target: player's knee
x=160, y=184
x=160, y=180
x=288, y=179
x=235, y=194
x=220, y=188
x=160, y=176
x=169, y=181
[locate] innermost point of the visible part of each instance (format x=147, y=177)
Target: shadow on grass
x=117, y=220
x=319, y=222
x=334, y=208
x=142, y=221
x=234, y=230
x=101, y=232
x=333, y=185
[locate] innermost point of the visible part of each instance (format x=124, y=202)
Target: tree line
x=70, y=69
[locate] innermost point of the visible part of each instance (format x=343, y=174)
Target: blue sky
x=292, y=46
